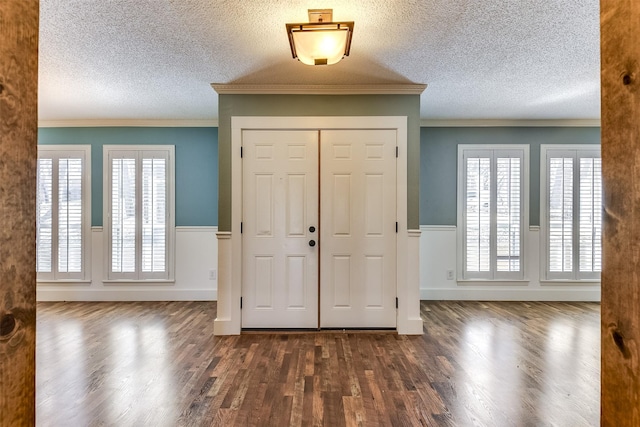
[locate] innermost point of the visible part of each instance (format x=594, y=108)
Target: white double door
x=319, y=229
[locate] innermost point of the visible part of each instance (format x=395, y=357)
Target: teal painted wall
x=196, y=162
x=438, y=158
x=321, y=105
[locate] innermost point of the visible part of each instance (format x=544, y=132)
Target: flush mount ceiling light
x=320, y=41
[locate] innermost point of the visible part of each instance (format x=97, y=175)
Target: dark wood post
x=620, y=52
x=18, y=145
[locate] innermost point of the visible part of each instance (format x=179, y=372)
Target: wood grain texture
x=159, y=364
x=18, y=140
x=620, y=57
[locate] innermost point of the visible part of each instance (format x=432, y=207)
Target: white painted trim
x=88, y=294
x=561, y=282
x=230, y=246
x=492, y=282
x=534, y=228
x=205, y=123
x=461, y=123
x=133, y=282
x=62, y=282
x=96, y=229
x=215, y=123
x=414, y=233
x=315, y=123
x=359, y=89
x=473, y=294
x=438, y=228
x=409, y=319
x=227, y=321
x=196, y=228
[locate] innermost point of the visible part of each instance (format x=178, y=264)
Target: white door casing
x=280, y=205
x=358, y=228
x=228, y=320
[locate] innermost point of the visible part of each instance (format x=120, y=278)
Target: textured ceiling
x=156, y=59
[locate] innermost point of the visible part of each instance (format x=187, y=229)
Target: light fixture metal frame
x=319, y=24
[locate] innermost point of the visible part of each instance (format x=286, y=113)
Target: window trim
x=139, y=276
x=463, y=276
x=574, y=276
x=63, y=151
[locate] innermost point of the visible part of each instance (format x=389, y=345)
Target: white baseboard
x=119, y=294
x=225, y=327
x=467, y=294
x=413, y=326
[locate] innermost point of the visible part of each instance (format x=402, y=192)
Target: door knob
x=312, y=243
x=312, y=229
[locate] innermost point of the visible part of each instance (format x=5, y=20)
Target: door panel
x=358, y=233
x=357, y=245
x=280, y=203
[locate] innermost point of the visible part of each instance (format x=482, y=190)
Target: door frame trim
x=229, y=313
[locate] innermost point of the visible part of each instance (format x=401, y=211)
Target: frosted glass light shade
x=320, y=43
x=321, y=46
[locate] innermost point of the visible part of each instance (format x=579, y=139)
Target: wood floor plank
x=477, y=364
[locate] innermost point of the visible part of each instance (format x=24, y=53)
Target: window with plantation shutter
x=571, y=212
x=63, y=212
x=491, y=211
x=139, y=212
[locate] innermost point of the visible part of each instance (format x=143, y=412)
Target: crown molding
x=509, y=123
x=214, y=122
x=127, y=123
x=275, y=89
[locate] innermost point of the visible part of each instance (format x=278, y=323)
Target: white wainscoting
x=196, y=254
x=438, y=256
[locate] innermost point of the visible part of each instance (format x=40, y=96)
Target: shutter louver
x=154, y=208
x=492, y=190
x=63, y=208
x=123, y=215
x=140, y=224
x=572, y=213
x=478, y=214
x=508, y=223
x=590, y=220
x=560, y=237
x=44, y=216
x=70, y=215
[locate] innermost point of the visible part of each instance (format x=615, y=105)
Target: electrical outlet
x=213, y=274
x=449, y=274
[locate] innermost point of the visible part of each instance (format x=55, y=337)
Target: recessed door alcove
x=329, y=114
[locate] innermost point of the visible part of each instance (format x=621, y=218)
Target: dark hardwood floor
x=158, y=364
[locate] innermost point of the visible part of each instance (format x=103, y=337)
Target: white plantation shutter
x=560, y=214
x=492, y=198
x=44, y=218
x=571, y=212
x=70, y=215
x=478, y=214
x=154, y=214
x=508, y=213
x=123, y=215
x=590, y=241
x=63, y=212
x=140, y=202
